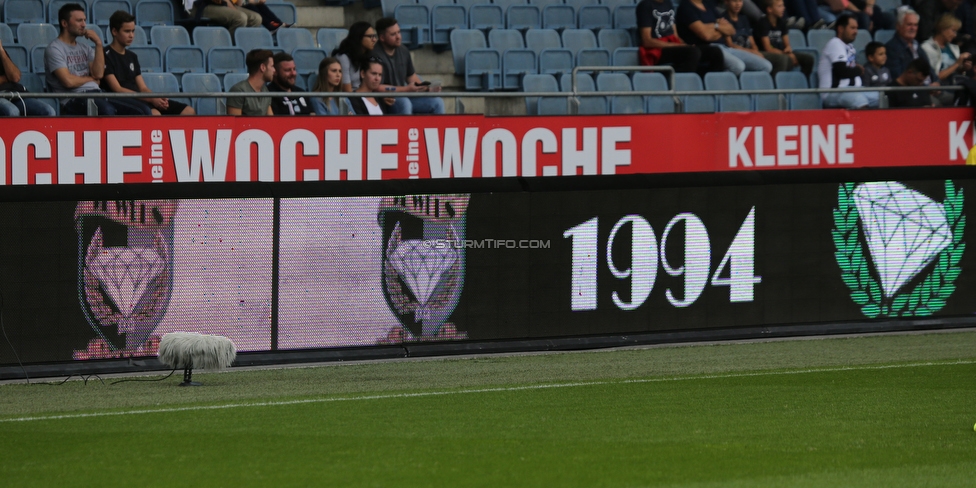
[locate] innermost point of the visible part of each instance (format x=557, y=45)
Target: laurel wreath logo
x=930, y=295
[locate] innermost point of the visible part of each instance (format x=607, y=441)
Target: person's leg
x=751, y=10
x=855, y=100
x=37, y=107
x=873, y=98
x=269, y=20
x=712, y=59
x=104, y=107
x=252, y=18
x=826, y=14
x=231, y=18
x=124, y=106
x=402, y=106
x=731, y=61
x=806, y=62
x=751, y=61
x=780, y=62
x=432, y=105
x=8, y=109
x=684, y=59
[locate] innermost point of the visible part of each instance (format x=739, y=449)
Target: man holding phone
x=399, y=74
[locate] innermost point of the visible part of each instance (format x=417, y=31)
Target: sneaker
x=790, y=22
x=800, y=23
x=820, y=24
x=831, y=25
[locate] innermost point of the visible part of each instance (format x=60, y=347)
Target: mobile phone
x=423, y=83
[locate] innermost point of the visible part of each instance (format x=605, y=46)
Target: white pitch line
x=481, y=390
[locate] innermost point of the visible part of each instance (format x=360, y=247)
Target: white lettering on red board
x=594, y=152
x=958, y=147
x=794, y=145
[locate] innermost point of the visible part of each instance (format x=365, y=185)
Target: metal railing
x=572, y=97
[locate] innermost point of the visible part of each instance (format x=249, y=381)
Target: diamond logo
x=124, y=273
x=905, y=231
x=421, y=267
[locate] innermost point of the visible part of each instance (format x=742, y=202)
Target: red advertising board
x=192, y=149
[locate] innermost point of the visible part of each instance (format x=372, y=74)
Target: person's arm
x=840, y=70
x=57, y=65
x=270, y=112
x=233, y=111
x=768, y=46
x=97, y=67
x=157, y=102
x=11, y=71
x=69, y=80
x=709, y=33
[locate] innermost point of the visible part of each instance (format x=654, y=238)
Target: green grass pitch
x=894, y=410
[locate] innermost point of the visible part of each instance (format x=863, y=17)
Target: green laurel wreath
x=927, y=297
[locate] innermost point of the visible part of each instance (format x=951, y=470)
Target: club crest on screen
x=423, y=263
x=125, y=272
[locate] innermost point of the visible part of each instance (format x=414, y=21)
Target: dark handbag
x=10, y=86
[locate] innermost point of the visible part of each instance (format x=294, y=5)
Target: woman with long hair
x=353, y=51
x=329, y=81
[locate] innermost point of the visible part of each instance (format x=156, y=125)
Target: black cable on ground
x=139, y=379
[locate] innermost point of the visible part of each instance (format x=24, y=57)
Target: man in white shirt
x=838, y=68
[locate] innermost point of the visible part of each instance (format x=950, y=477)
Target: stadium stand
x=16, y=12
x=724, y=80
x=208, y=37
x=101, y=10
x=150, y=58
x=226, y=59
x=292, y=39
x=618, y=82
x=329, y=38
x=759, y=80
x=164, y=36
x=559, y=17
x=523, y=17
x=37, y=59
x=625, y=56
x=248, y=38
x=203, y=83
x=693, y=103
x=231, y=79
x=154, y=12
x=650, y=81
x=485, y=17
x=588, y=105
x=794, y=80
x=414, y=23
x=54, y=5
x=284, y=11
x=595, y=17
x=185, y=59
x=444, y=19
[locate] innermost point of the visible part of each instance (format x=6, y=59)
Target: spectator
x=773, y=37
x=329, y=81
x=742, y=39
x=399, y=73
x=944, y=56
x=353, y=52
x=285, y=75
x=260, y=71
x=915, y=74
x=699, y=23
x=226, y=13
x=930, y=11
x=372, y=75
x=903, y=47
x=10, y=84
x=838, y=68
x=875, y=73
x=123, y=74
x=804, y=14
x=659, y=43
x=867, y=16
x=73, y=67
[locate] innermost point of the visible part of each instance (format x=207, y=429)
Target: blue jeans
x=737, y=61
x=851, y=100
x=106, y=106
x=17, y=107
x=410, y=106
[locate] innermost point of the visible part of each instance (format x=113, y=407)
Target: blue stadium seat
x=203, y=83
x=883, y=35
x=154, y=12
x=559, y=17
x=307, y=60
x=794, y=80
x=140, y=39
x=35, y=83
x=760, y=80
x=284, y=11
x=818, y=38
x=20, y=55
x=593, y=57
x=625, y=17
x=693, y=103
x=516, y=64
x=248, y=38
x=101, y=10
x=150, y=58
x=37, y=59
x=30, y=35
x=6, y=35
x=544, y=3
x=164, y=36
x=20, y=11
x=620, y=104
x=584, y=83
x=556, y=61
x=542, y=83
x=797, y=38
x=444, y=19
x=540, y=39
x=485, y=17
x=611, y=39
x=888, y=5
x=523, y=17
x=862, y=40
x=164, y=83
x=329, y=38
x=724, y=80
x=578, y=4
x=504, y=39
x=577, y=39
x=462, y=41
x=504, y=4
x=389, y=6
x=414, y=21
x=482, y=69
x=208, y=37
x=625, y=56
x=226, y=59
x=185, y=59
x=613, y=4
x=595, y=17
x=651, y=81
x=291, y=39
x=231, y=79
